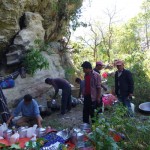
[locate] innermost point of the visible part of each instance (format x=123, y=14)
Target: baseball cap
x=99, y=63
x=119, y=62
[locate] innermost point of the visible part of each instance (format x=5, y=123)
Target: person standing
x=98, y=68
x=81, y=83
x=30, y=112
x=124, y=85
x=63, y=84
x=92, y=91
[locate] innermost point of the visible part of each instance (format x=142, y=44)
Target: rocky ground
x=69, y=120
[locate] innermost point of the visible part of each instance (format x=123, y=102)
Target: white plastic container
x=133, y=107
x=14, y=138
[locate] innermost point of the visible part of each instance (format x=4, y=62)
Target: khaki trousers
x=27, y=121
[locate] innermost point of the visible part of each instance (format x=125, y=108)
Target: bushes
x=135, y=131
x=34, y=59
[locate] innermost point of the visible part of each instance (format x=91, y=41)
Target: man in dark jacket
x=63, y=84
x=124, y=84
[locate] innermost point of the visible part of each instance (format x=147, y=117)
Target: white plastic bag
x=31, y=131
x=14, y=138
x=3, y=128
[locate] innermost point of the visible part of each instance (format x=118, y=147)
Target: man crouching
x=30, y=112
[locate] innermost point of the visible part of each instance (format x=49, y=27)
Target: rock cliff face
x=24, y=21
x=55, y=13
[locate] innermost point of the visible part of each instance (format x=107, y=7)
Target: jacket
x=124, y=84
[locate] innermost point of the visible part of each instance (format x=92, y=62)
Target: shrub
x=34, y=60
x=135, y=131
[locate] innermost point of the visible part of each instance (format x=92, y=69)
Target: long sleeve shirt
x=59, y=83
x=95, y=86
x=27, y=110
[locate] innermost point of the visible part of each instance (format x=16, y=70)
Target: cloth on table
x=52, y=138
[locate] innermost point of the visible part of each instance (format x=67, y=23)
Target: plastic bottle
x=103, y=107
x=14, y=138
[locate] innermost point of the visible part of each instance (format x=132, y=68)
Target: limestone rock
x=34, y=30
x=35, y=85
x=56, y=15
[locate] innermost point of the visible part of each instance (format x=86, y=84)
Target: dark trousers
x=126, y=102
x=88, y=108
x=66, y=100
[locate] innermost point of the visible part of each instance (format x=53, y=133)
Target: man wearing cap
x=124, y=84
x=98, y=67
x=92, y=91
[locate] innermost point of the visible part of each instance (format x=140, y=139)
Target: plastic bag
x=3, y=127
x=14, y=138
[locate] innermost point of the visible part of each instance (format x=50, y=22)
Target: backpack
x=8, y=83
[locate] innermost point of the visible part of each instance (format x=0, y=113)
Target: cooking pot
x=145, y=107
x=22, y=132
x=77, y=136
x=7, y=134
x=42, y=108
x=40, y=132
x=73, y=102
x=85, y=127
x=53, y=105
x=65, y=134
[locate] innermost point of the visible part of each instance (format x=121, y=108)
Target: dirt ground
x=69, y=120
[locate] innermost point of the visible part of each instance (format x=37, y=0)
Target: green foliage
x=116, y=118
x=100, y=135
x=34, y=59
x=138, y=65
x=80, y=54
x=12, y=147
x=69, y=73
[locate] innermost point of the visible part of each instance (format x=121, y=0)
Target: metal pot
x=145, y=107
x=22, y=132
x=85, y=127
x=53, y=105
x=65, y=134
x=7, y=134
x=73, y=102
x=42, y=108
x=40, y=132
x=77, y=136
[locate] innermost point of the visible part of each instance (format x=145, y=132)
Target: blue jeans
x=126, y=102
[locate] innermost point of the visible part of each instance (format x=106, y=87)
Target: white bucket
x=132, y=107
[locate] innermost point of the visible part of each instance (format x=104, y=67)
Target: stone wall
x=24, y=21
x=55, y=14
